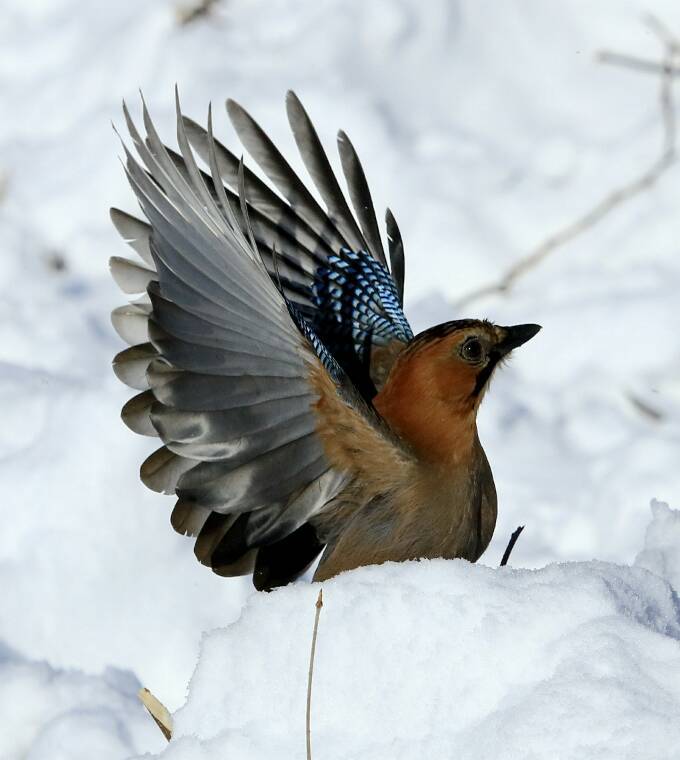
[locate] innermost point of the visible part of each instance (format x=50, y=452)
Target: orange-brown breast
x=437, y=502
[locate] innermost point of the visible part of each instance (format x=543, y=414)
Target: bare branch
x=511, y=545
x=668, y=69
x=664, y=34
x=319, y=605
x=637, y=64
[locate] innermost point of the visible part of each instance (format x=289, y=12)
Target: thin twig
x=190, y=13
x=511, y=545
x=319, y=605
x=636, y=64
x=668, y=68
x=645, y=409
x=663, y=33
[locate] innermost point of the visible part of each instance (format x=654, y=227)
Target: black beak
x=515, y=336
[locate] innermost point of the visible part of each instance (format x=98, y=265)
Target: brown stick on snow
x=511, y=545
x=319, y=605
x=190, y=13
x=668, y=68
x=157, y=711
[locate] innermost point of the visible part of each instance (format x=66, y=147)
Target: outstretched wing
x=228, y=370
x=330, y=264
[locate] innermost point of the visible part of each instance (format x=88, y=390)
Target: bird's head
x=460, y=357
x=435, y=386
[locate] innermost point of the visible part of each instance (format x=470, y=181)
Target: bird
x=297, y=412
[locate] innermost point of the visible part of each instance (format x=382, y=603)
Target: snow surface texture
x=67, y=715
x=486, y=127
x=446, y=659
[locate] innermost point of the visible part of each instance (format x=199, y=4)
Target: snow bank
x=661, y=553
x=91, y=571
x=50, y=714
x=446, y=659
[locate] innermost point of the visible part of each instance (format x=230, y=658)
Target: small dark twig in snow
x=189, y=13
x=645, y=409
x=511, y=545
x=319, y=605
x=668, y=68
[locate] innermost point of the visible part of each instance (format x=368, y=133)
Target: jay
x=297, y=411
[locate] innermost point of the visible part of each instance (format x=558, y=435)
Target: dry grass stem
x=319, y=605
x=157, y=711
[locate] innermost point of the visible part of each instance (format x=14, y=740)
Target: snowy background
x=486, y=127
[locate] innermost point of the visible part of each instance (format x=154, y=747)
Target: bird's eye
x=472, y=350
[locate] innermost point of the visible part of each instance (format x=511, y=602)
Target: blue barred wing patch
x=354, y=307
x=357, y=302
x=305, y=327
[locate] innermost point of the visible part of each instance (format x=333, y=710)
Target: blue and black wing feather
x=329, y=265
x=357, y=307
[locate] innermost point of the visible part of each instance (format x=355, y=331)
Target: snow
x=67, y=715
x=487, y=127
x=660, y=554
x=439, y=659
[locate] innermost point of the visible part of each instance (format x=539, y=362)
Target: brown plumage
x=438, y=501
x=297, y=410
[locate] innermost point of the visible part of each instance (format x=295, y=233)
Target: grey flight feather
x=258, y=194
x=361, y=196
x=131, y=365
x=319, y=168
x=275, y=166
x=134, y=232
x=396, y=249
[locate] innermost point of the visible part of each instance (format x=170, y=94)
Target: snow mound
x=444, y=658
x=49, y=714
x=661, y=553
